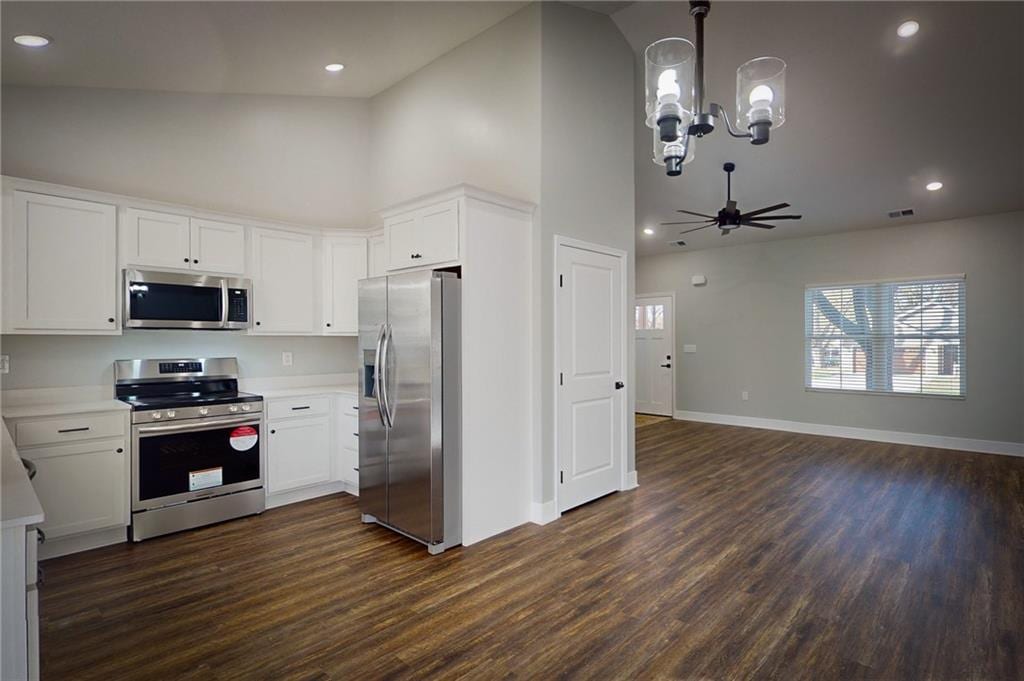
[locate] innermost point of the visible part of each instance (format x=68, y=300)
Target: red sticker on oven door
x=243, y=438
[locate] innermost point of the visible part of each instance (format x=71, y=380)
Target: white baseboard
x=62, y=546
x=893, y=436
x=293, y=496
x=631, y=481
x=542, y=513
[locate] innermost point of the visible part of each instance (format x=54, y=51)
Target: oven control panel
x=180, y=367
x=178, y=413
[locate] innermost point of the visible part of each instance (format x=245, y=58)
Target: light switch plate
x=744, y=395
x=5, y=364
x=689, y=348
x=286, y=359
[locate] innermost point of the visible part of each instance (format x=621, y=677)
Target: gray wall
x=472, y=115
x=296, y=159
x=58, y=361
x=586, y=172
x=748, y=324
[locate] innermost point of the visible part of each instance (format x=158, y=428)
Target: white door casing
x=590, y=346
x=654, y=324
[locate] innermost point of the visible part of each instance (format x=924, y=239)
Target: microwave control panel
x=238, y=305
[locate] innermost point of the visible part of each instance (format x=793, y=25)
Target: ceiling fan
x=730, y=217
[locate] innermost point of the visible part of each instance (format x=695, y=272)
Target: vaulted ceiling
x=870, y=117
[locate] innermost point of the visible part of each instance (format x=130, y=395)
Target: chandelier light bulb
x=761, y=96
x=668, y=88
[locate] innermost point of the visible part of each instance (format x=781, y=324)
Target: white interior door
x=654, y=324
x=591, y=402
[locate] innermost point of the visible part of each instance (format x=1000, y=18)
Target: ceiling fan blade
x=700, y=215
x=760, y=225
x=769, y=209
x=779, y=217
x=687, y=231
x=677, y=242
x=686, y=222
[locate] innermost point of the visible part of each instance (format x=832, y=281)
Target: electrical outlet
x=5, y=364
x=744, y=395
x=286, y=359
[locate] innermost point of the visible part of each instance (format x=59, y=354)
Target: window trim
x=895, y=280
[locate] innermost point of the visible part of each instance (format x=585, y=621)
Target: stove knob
x=156, y=414
x=245, y=407
x=233, y=408
x=203, y=411
x=170, y=414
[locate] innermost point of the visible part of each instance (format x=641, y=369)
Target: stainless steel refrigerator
x=410, y=477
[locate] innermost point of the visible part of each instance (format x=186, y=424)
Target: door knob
x=619, y=385
x=666, y=366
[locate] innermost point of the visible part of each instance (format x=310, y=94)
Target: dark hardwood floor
x=744, y=554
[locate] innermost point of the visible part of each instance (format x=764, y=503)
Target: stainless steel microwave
x=169, y=300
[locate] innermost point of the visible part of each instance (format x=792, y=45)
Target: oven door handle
x=202, y=425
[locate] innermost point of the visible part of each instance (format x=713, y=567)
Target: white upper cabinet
x=425, y=236
x=217, y=246
x=61, y=265
x=282, y=264
x=149, y=238
x=154, y=239
x=377, y=256
x=344, y=266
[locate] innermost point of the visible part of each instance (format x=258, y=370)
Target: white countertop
x=19, y=504
x=62, y=408
x=340, y=388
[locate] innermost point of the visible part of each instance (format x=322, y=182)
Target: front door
x=654, y=354
x=591, y=397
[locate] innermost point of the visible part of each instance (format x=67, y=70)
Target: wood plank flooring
x=744, y=554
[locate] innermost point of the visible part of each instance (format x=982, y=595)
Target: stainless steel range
x=197, y=457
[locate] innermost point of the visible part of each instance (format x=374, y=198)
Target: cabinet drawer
x=298, y=406
x=68, y=429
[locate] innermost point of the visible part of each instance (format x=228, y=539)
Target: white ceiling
x=275, y=48
x=870, y=118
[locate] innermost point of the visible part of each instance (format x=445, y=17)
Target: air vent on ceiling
x=902, y=213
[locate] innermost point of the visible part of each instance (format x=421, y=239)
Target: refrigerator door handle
x=389, y=405
x=378, y=384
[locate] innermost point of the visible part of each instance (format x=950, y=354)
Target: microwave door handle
x=223, y=303
x=377, y=383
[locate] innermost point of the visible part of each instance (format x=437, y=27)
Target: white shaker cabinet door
x=378, y=263
x=282, y=282
x=439, y=233
x=152, y=239
x=299, y=453
x=63, y=265
x=344, y=266
x=217, y=246
x=401, y=236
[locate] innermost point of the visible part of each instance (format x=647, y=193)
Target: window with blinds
x=888, y=337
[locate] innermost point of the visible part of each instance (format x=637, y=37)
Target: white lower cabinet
x=82, y=487
x=299, y=453
x=347, y=441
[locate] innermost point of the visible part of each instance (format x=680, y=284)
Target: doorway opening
x=654, y=326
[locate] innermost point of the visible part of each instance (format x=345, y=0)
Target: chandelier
x=674, y=75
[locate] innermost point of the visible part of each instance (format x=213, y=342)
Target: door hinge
x=561, y=282
x=561, y=477
x=561, y=378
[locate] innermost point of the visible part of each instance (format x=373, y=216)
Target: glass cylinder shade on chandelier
x=761, y=97
x=675, y=154
x=668, y=71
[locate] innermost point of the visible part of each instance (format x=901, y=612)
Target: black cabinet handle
x=665, y=366
x=186, y=259
x=356, y=408
x=257, y=323
x=328, y=324
x=619, y=385
x=120, y=451
x=272, y=432
x=300, y=408
x=73, y=430
x=110, y=319
x=356, y=434
x=414, y=256
x=196, y=262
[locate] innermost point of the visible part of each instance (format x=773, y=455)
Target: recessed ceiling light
x=30, y=40
x=648, y=231
x=907, y=29
x=334, y=68
x=933, y=186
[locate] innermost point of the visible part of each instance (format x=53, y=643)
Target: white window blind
x=888, y=337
